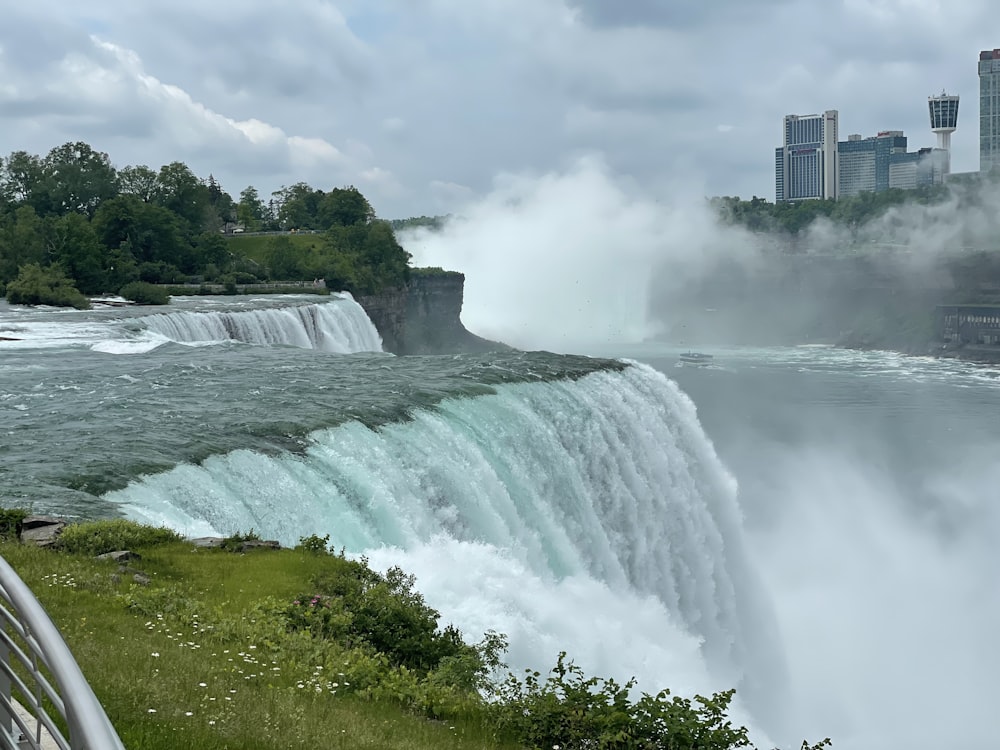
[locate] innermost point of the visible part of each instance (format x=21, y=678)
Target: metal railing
x=29, y=643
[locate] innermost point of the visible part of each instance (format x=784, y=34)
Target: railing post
x=7, y=724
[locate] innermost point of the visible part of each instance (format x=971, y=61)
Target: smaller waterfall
x=340, y=326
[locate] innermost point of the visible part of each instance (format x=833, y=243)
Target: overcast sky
x=426, y=104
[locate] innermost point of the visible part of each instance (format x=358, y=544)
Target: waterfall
x=340, y=326
x=608, y=479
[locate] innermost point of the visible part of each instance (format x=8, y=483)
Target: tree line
x=73, y=215
x=792, y=217
x=856, y=215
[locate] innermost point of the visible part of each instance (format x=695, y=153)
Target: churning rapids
x=574, y=503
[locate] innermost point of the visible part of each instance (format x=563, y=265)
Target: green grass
x=299, y=648
x=202, y=658
x=255, y=247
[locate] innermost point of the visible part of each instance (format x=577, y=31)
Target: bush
x=98, y=537
x=569, y=710
x=234, y=543
x=145, y=294
x=35, y=285
x=356, y=605
x=10, y=522
x=314, y=544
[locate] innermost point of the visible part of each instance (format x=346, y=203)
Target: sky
x=429, y=105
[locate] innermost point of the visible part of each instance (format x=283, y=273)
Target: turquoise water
x=812, y=526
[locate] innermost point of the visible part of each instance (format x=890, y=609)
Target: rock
x=141, y=578
x=41, y=530
x=251, y=544
x=120, y=556
x=207, y=542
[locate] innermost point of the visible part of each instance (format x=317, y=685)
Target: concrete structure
x=881, y=162
x=989, y=110
x=910, y=170
x=806, y=163
x=969, y=324
x=865, y=162
x=943, y=110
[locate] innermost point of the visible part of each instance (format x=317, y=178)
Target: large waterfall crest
x=609, y=477
x=339, y=326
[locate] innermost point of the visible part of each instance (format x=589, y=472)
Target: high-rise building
x=806, y=164
x=913, y=169
x=864, y=162
x=989, y=110
x=944, y=119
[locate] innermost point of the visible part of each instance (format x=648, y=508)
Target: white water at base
x=340, y=326
x=592, y=516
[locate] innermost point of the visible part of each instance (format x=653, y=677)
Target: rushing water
x=833, y=561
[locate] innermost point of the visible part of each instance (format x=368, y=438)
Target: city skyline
x=430, y=105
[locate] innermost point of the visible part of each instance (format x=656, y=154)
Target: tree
x=250, y=211
x=297, y=206
x=77, y=178
x=344, y=207
x=139, y=181
x=21, y=175
x=24, y=241
x=70, y=241
x=153, y=233
x=181, y=192
x=223, y=208
x=287, y=260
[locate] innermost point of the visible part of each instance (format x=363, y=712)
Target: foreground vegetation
x=218, y=648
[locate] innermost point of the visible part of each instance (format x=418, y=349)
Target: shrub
x=314, y=544
x=10, y=522
x=384, y=613
x=35, y=285
x=234, y=543
x=570, y=710
x=98, y=537
x=145, y=294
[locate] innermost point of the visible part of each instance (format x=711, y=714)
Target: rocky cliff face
x=424, y=317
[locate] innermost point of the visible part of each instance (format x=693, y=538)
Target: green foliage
x=234, y=543
x=355, y=604
x=433, y=223
x=35, y=285
x=145, y=294
x=10, y=522
x=98, y=537
x=344, y=207
x=107, y=228
x=314, y=544
x=570, y=710
x=226, y=671
x=791, y=218
x=229, y=671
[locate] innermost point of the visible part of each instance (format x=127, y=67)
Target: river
x=812, y=526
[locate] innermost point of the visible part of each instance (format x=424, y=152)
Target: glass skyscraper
x=989, y=110
x=864, y=162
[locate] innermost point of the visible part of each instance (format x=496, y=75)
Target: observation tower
x=944, y=120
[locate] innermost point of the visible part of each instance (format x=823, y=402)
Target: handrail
x=38, y=644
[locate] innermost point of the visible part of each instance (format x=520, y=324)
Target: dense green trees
x=106, y=228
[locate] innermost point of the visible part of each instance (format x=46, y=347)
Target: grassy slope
x=198, y=661
x=255, y=247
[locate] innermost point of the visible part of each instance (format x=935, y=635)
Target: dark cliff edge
x=424, y=317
